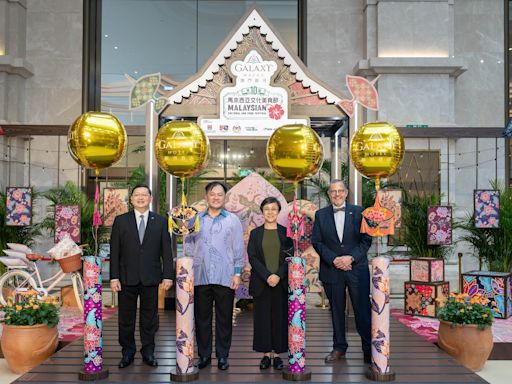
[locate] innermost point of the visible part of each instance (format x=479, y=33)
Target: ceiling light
x=116, y=47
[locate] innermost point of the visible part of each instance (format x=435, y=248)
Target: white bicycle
x=22, y=277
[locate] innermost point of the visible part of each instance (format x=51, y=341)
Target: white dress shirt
x=339, y=220
x=137, y=217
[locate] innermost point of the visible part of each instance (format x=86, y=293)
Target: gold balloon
x=181, y=148
x=377, y=150
x=97, y=140
x=295, y=152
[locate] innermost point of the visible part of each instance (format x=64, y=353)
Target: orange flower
x=19, y=307
x=462, y=310
x=35, y=306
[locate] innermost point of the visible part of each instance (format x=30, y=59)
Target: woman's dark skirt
x=271, y=320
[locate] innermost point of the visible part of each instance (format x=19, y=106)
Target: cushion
x=19, y=247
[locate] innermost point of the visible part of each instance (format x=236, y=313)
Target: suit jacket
x=327, y=244
x=259, y=272
x=132, y=262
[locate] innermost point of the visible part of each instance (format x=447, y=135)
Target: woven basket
x=71, y=263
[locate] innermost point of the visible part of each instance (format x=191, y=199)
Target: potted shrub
x=29, y=333
x=465, y=329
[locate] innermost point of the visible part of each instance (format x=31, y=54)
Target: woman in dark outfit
x=268, y=248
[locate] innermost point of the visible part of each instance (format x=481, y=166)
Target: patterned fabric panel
x=494, y=287
x=425, y=299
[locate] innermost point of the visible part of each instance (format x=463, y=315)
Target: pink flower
x=275, y=111
x=484, y=196
x=488, y=210
x=20, y=208
x=17, y=195
x=24, y=219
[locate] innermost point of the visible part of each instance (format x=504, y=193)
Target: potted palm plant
x=29, y=334
x=465, y=329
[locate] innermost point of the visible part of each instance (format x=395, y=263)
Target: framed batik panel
x=439, y=225
x=67, y=222
x=18, y=210
x=115, y=202
x=487, y=208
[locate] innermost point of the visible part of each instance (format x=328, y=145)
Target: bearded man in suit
x=344, y=266
x=140, y=260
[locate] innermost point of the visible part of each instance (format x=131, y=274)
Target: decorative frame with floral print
x=115, y=202
x=487, y=208
x=18, y=212
x=392, y=200
x=439, y=225
x=67, y=222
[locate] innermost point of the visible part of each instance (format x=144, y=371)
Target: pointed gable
x=199, y=95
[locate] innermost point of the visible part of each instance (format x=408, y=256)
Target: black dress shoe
x=203, y=362
x=150, y=360
x=265, y=362
x=223, y=363
x=367, y=358
x=125, y=361
x=278, y=363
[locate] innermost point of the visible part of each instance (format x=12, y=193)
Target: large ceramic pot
x=469, y=345
x=27, y=346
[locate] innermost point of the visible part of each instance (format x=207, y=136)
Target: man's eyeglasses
x=140, y=195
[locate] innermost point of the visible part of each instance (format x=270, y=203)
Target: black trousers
x=358, y=283
x=148, y=318
x=271, y=320
x=204, y=298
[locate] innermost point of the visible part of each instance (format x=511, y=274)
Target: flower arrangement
x=463, y=309
x=29, y=310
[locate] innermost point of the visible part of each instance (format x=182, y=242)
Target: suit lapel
x=132, y=224
x=349, y=218
x=331, y=223
x=149, y=225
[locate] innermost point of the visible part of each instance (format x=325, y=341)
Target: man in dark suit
x=140, y=243
x=344, y=264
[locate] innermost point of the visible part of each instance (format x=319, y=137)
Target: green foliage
x=9, y=234
x=493, y=245
x=71, y=195
x=414, y=225
x=462, y=309
x=31, y=311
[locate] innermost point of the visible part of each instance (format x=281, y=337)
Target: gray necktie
x=142, y=228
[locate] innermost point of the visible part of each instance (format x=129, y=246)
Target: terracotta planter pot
x=469, y=345
x=26, y=346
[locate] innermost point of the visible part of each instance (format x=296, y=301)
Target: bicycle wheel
x=78, y=289
x=13, y=281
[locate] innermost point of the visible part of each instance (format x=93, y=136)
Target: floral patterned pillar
x=380, y=370
x=185, y=370
x=296, y=321
x=93, y=346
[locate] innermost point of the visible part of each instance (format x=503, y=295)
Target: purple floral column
x=185, y=370
x=93, y=347
x=296, y=321
x=380, y=370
